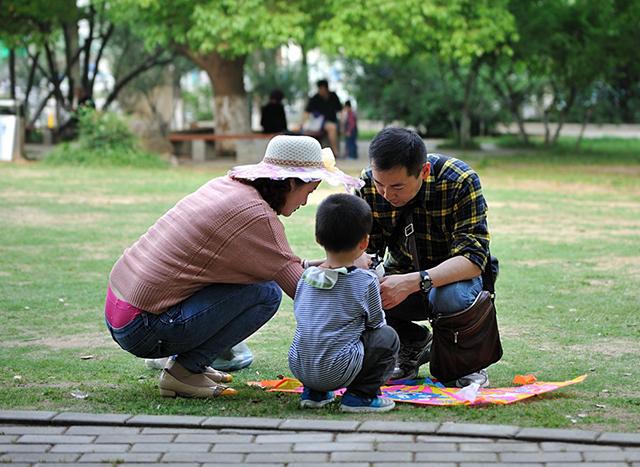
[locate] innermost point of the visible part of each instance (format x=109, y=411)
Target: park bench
x=250, y=147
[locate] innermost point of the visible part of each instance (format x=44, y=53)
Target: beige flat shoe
x=170, y=386
x=217, y=376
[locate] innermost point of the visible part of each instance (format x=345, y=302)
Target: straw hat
x=296, y=157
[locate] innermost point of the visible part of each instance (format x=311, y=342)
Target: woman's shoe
x=217, y=376
x=203, y=387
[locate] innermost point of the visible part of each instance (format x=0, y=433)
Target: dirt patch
x=557, y=186
x=23, y=216
x=78, y=341
x=608, y=347
x=631, y=264
x=90, y=200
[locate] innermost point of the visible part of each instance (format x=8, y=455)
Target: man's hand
x=396, y=288
x=363, y=262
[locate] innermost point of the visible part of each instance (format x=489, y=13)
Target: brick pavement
x=38, y=438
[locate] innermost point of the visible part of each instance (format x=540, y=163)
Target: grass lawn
x=565, y=227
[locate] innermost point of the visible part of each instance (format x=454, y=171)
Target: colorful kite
x=428, y=392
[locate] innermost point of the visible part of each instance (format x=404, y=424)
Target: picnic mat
x=430, y=392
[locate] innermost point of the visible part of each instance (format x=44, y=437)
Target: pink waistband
x=118, y=312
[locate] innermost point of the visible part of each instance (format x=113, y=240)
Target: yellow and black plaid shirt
x=449, y=218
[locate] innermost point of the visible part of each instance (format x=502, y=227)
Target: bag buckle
x=408, y=230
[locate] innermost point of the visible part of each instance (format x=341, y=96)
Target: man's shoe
x=356, y=404
x=481, y=378
x=311, y=399
x=236, y=358
x=411, y=356
x=170, y=386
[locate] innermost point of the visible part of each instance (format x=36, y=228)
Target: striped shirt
x=449, y=218
x=327, y=352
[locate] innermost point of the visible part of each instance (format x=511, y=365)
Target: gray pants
x=380, y=351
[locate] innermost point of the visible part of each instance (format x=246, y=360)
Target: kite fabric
x=429, y=392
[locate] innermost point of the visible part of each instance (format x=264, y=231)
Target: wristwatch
x=425, y=282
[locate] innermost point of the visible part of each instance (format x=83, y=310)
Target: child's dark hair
x=342, y=221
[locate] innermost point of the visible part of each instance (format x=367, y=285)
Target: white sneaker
x=156, y=363
x=481, y=378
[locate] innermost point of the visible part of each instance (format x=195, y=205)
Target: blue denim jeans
x=445, y=300
x=202, y=326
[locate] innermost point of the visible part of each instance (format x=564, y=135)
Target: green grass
x=565, y=228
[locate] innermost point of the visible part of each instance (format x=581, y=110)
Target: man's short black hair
x=323, y=83
x=342, y=221
x=398, y=147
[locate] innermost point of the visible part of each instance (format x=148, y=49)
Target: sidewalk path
x=37, y=438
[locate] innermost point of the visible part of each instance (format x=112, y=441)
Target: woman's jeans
x=444, y=300
x=202, y=326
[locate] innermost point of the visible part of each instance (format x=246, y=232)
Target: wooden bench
x=250, y=147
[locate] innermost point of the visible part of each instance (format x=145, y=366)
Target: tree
x=217, y=35
x=462, y=34
x=49, y=31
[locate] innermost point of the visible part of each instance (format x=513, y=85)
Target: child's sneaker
x=354, y=403
x=311, y=399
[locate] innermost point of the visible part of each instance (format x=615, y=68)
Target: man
x=325, y=104
x=451, y=235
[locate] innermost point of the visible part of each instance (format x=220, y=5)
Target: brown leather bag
x=466, y=341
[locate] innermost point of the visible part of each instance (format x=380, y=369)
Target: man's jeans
x=442, y=300
x=202, y=326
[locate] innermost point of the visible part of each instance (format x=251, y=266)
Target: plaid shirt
x=449, y=218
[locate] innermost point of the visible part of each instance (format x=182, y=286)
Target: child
x=350, y=131
x=341, y=338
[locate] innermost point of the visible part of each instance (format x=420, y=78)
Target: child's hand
x=363, y=262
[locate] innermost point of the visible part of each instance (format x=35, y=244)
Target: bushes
x=103, y=140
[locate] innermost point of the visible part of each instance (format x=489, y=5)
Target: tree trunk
x=585, y=120
x=231, y=109
x=465, y=117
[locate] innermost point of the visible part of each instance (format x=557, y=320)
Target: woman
x=209, y=272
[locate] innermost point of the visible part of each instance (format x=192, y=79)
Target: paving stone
x=416, y=447
x=501, y=464
x=158, y=430
x=74, y=464
x=378, y=437
x=481, y=457
x=201, y=457
x=31, y=430
x=399, y=427
x=541, y=457
x=164, y=464
x=252, y=465
x=241, y=422
x=477, y=429
x=587, y=464
x=255, y=431
x=451, y=439
x=251, y=447
x=166, y=420
x=556, y=434
x=91, y=419
x=24, y=447
x=80, y=448
x=25, y=416
x=627, y=456
x=499, y=447
x=287, y=457
x=8, y=439
x=171, y=447
x=371, y=456
x=56, y=439
x=102, y=429
x=557, y=446
x=332, y=447
x=214, y=437
x=320, y=425
x=332, y=464
x=134, y=438
x=38, y=457
x=296, y=438
x=121, y=457
x=630, y=439
x=412, y=464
